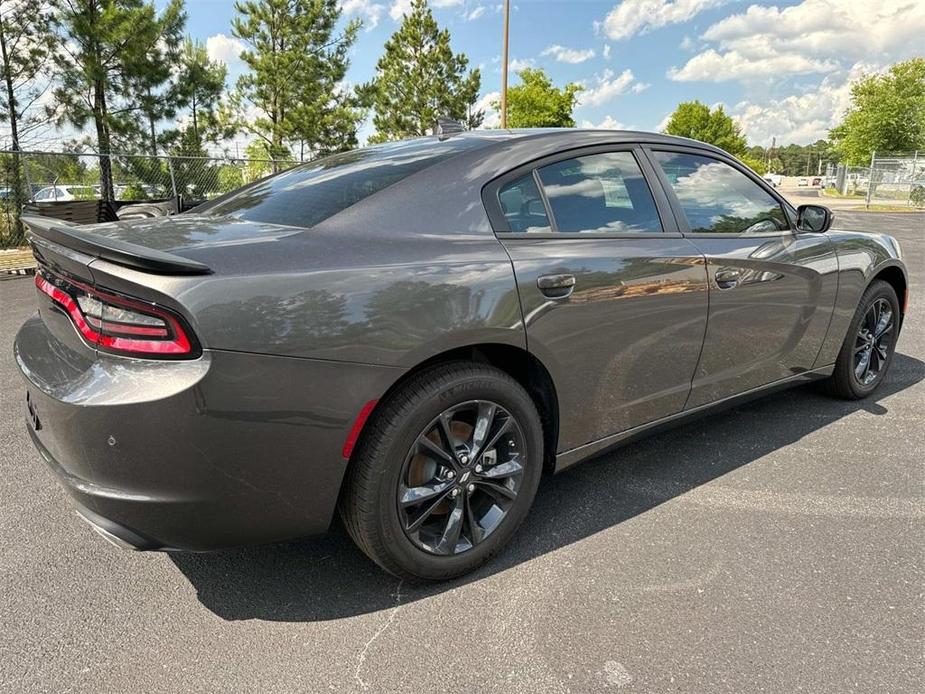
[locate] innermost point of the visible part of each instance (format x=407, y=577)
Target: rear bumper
x=224, y=450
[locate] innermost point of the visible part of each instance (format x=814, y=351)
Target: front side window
x=717, y=198
x=600, y=193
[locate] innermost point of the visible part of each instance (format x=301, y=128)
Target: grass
x=832, y=193
x=886, y=208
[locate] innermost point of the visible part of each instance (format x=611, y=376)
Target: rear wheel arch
x=518, y=363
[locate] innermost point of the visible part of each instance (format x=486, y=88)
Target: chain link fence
x=48, y=177
x=890, y=180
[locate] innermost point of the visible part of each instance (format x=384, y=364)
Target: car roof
x=441, y=198
x=566, y=137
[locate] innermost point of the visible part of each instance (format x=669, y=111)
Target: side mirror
x=814, y=218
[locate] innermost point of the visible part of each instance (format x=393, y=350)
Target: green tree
x=419, y=79
x=114, y=51
x=297, y=61
x=697, y=121
x=27, y=44
x=887, y=114
x=200, y=84
x=537, y=103
x=158, y=96
x=793, y=159
x=260, y=160
x=754, y=163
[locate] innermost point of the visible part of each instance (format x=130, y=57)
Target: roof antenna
x=447, y=127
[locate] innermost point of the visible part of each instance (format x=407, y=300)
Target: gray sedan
x=413, y=333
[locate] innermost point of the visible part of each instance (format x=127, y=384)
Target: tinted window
x=718, y=198
x=522, y=205
x=598, y=193
x=308, y=194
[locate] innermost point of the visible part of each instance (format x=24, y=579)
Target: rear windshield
x=310, y=193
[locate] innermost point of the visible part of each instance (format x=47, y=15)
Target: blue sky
x=782, y=69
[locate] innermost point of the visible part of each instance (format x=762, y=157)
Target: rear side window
x=600, y=193
x=522, y=205
x=308, y=194
x=717, y=198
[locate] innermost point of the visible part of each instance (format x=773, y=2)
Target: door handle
x=726, y=279
x=556, y=286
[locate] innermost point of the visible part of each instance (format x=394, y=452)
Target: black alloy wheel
x=874, y=342
x=868, y=348
x=444, y=472
x=461, y=477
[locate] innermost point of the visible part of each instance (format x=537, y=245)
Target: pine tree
x=114, y=51
x=27, y=45
x=297, y=60
x=200, y=84
x=419, y=79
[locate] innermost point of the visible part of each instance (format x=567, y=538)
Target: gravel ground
x=776, y=547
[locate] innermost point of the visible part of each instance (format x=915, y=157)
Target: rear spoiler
x=120, y=252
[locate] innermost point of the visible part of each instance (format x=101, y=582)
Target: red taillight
x=117, y=324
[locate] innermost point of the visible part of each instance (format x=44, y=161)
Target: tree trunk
x=153, y=136
x=11, y=97
x=15, y=180
x=195, y=121
x=102, y=140
x=150, y=115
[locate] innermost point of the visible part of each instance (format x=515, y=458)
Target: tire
x=845, y=381
x=390, y=455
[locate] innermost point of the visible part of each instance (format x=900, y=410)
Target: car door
x=614, y=298
x=772, y=289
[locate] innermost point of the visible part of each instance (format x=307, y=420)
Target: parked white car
x=803, y=182
x=65, y=193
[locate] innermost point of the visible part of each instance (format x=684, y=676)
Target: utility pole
x=507, y=19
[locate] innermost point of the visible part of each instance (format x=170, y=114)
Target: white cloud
x=854, y=30
x=569, y=55
x=475, y=13
x=813, y=36
x=486, y=103
x=518, y=64
x=370, y=12
x=606, y=51
x=801, y=118
x=403, y=7
x=609, y=123
x=687, y=44
x=631, y=17
x=640, y=87
x=399, y=8
x=663, y=123
x=712, y=66
x=225, y=49
x=607, y=86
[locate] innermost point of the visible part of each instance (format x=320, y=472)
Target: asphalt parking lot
x=776, y=547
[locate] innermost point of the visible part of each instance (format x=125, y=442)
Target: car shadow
x=328, y=578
